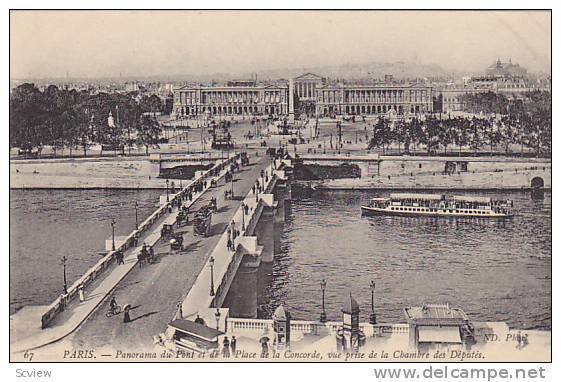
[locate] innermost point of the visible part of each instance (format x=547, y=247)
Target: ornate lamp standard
x=211, y=264
x=136, y=214
x=112, y=234
x=217, y=316
x=63, y=262
x=372, y=315
x=323, y=316
x=167, y=190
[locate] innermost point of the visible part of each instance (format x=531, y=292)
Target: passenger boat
x=436, y=205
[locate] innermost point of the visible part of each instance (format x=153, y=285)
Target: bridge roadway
x=154, y=290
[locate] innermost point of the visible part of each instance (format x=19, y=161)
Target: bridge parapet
x=128, y=242
x=227, y=262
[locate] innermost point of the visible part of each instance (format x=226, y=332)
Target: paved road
x=155, y=289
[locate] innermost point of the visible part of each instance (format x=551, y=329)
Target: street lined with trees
x=496, y=124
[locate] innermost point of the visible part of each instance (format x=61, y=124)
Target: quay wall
x=387, y=172
x=105, y=173
x=496, y=180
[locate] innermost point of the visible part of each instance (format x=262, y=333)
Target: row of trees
x=526, y=124
x=70, y=119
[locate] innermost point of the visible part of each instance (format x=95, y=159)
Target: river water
x=494, y=270
x=48, y=224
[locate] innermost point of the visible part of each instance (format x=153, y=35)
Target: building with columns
x=313, y=95
x=233, y=99
x=376, y=99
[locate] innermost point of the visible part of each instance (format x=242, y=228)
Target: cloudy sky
x=141, y=43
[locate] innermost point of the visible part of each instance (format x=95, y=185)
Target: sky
x=159, y=43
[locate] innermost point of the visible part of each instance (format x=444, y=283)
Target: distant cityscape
x=318, y=94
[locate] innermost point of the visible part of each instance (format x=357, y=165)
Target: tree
x=148, y=132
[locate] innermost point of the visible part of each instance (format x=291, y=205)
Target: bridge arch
x=537, y=182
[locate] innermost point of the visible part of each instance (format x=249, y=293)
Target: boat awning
x=445, y=334
x=195, y=329
x=416, y=196
x=473, y=199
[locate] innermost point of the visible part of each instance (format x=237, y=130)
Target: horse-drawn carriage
x=202, y=220
x=176, y=242
x=228, y=177
x=167, y=230
x=245, y=159
x=212, y=205
x=182, y=218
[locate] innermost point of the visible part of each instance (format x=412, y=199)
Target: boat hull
x=374, y=211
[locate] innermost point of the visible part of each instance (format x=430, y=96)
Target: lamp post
x=167, y=190
x=243, y=216
x=211, y=263
x=372, y=315
x=136, y=214
x=217, y=316
x=112, y=234
x=63, y=262
x=232, y=184
x=323, y=316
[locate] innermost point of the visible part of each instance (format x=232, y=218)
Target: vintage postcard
x=280, y=186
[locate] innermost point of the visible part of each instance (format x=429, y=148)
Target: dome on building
x=350, y=305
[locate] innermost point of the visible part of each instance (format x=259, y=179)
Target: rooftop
x=434, y=314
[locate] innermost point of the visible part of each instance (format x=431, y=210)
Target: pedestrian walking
x=180, y=310
x=229, y=244
x=226, y=348
x=81, y=292
x=126, y=315
x=119, y=256
x=233, y=345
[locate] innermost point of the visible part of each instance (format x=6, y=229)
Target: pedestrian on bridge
x=180, y=310
x=233, y=345
x=126, y=315
x=119, y=256
x=229, y=244
x=226, y=348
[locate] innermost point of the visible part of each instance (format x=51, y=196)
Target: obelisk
x=291, y=101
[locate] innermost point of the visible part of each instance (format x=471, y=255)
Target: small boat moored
x=435, y=205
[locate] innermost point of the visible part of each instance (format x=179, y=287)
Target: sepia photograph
x=280, y=186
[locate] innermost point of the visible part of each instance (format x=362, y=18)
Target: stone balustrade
x=129, y=241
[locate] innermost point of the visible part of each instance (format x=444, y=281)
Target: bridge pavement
x=155, y=289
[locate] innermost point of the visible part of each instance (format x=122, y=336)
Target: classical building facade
x=313, y=95
x=232, y=99
x=374, y=99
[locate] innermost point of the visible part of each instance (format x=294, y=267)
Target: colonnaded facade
x=235, y=98
x=374, y=99
x=313, y=95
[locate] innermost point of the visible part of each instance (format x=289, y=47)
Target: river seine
x=496, y=270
